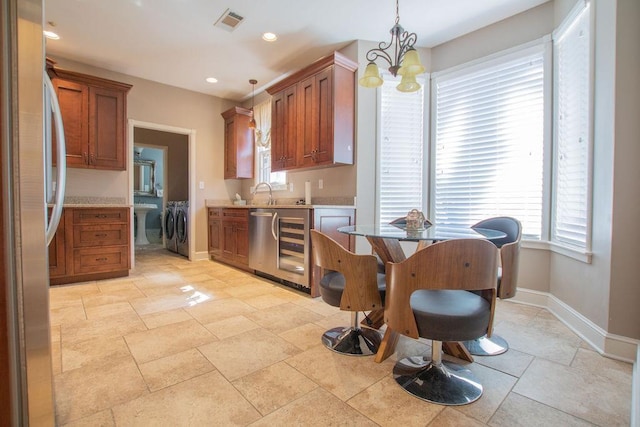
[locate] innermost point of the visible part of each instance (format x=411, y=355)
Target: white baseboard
x=610, y=345
x=200, y=256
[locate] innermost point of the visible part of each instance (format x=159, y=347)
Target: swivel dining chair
x=491, y=344
x=351, y=282
x=427, y=296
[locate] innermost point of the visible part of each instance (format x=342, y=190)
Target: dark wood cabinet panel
x=229, y=236
x=94, y=118
x=238, y=143
x=215, y=230
x=57, y=252
x=90, y=244
x=313, y=113
x=327, y=221
x=284, y=130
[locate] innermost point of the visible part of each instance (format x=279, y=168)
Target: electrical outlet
x=291, y=187
x=320, y=184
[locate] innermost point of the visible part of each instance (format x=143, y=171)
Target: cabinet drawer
x=97, y=215
x=100, y=235
x=236, y=214
x=97, y=260
x=215, y=213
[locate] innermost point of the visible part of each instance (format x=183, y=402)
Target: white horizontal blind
x=488, y=143
x=572, y=131
x=401, y=151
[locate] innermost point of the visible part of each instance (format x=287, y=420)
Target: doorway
x=178, y=168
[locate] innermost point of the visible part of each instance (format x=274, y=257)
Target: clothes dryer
x=182, y=227
x=170, y=227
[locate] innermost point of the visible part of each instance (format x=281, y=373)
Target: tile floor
x=181, y=343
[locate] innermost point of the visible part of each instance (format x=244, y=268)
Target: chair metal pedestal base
x=487, y=346
x=352, y=341
x=436, y=381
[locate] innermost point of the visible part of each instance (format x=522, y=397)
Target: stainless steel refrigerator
x=25, y=346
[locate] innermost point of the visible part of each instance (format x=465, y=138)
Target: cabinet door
x=230, y=168
x=228, y=243
x=285, y=125
x=57, y=254
x=74, y=100
x=106, y=129
x=242, y=242
x=316, y=119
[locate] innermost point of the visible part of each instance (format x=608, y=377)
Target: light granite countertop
x=95, y=202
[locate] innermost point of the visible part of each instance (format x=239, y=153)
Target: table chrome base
x=352, y=341
x=445, y=383
x=487, y=346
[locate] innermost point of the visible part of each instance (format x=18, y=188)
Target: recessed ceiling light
x=269, y=37
x=51, y=35
x=211, y=80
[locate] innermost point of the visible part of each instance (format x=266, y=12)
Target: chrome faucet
x=255, y=190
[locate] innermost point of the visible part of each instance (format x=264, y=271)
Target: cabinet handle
x=100, y=216
x=101, y=259
x=101, y=235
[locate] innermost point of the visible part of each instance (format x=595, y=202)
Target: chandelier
x=403, y=60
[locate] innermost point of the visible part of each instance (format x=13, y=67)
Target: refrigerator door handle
x=61, y=170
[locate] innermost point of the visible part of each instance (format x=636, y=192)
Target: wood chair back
x=360, y=272
x=458, y=264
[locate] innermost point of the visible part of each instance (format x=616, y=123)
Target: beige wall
x=625, y=283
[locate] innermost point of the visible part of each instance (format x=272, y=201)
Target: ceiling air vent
x=229, y=20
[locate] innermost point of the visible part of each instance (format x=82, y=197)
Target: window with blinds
x=489, y=141
x=401, y=155
x=572, y=130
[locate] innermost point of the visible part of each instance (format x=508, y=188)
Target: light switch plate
x=201, y=185
x=320, y=184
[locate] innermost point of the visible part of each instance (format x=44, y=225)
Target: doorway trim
x=191, y=134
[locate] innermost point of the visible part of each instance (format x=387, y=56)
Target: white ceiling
x=174, y=41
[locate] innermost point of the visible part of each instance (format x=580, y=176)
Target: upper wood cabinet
x=94, y=112
x=312, y=118
x=238, y=144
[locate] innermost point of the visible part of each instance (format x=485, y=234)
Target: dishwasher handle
x=269, y=214
x=273, y=226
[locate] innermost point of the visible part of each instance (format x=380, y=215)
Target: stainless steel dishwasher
x=279, y=244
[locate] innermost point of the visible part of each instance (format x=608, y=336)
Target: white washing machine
x=182, y=227
x=169, y=225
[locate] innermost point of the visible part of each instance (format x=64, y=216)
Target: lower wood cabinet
x=90, y=244
x=229, y=236
x=327, y=221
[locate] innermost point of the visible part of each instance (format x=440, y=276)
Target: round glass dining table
x=385, y=240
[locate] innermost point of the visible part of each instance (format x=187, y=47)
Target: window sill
x=577, y=254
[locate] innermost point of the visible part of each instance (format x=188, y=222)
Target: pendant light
x=404, y=59
x=252, y=121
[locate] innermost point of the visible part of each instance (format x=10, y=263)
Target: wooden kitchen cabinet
x=94, y=118
x=57, y=252
x=91, y=244
x=313, y=113
x=327, y=221
x=238, y=143
x=284, y=130
x=229, y=236
x=215, y=229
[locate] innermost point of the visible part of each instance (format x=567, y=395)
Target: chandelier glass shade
x=401, y=56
